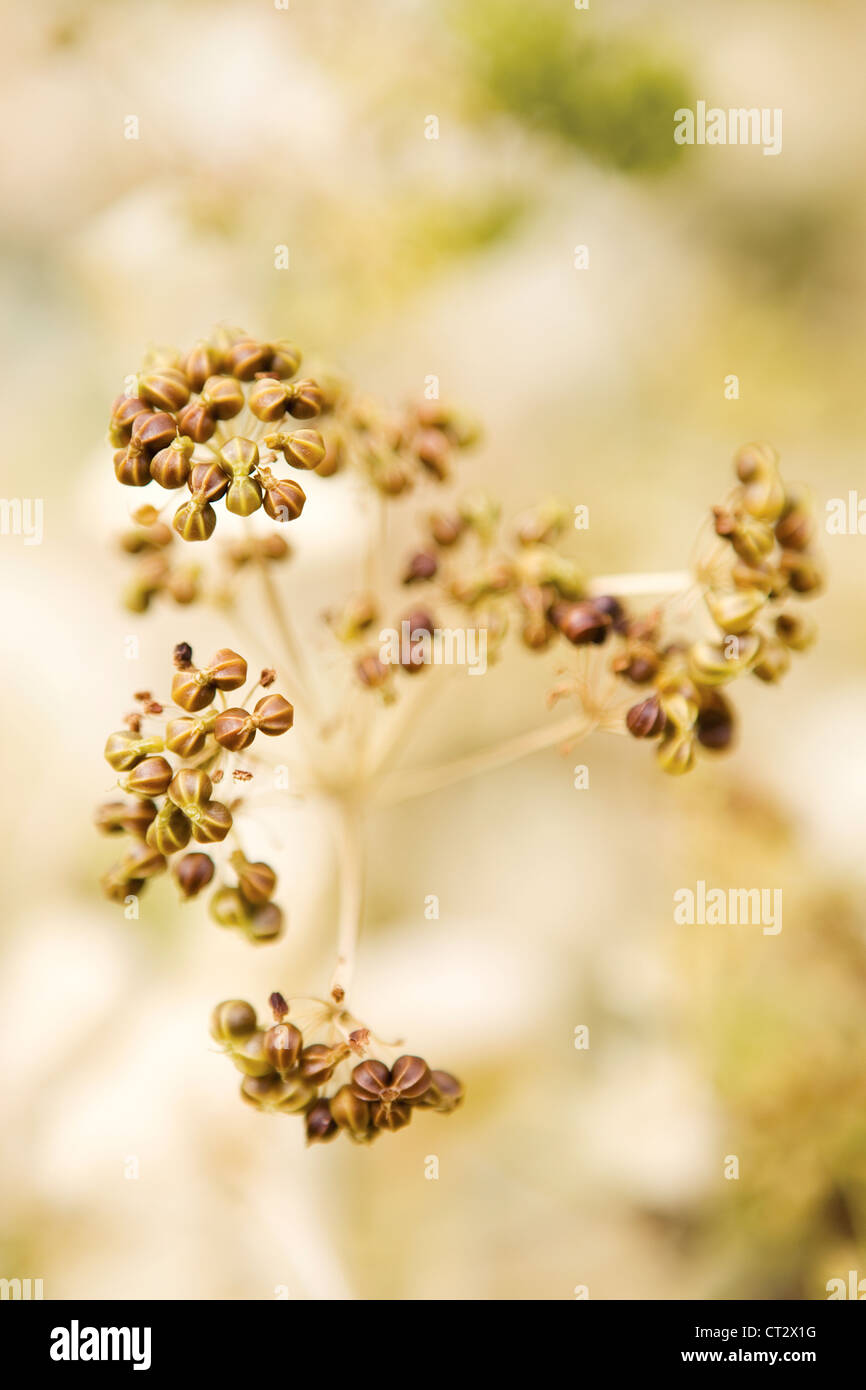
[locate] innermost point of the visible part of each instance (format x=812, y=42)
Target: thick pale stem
x=350, y=876
x=635, y=585
x=403, y=786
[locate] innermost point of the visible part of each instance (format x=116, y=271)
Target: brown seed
x=142, y=861
x=370, y=1079
x=410, y=1079
x=201, y=362
x=278, y=1005
x=580, y=622
x=421, y=567
x=391, y=1117
x=223, y=397
x=228, y=908
x=372, y=672
x=192, y=689
x=132, y=466
x=166, y=388
x=305, y=399
x=303, y=448
x=193, y=873
x=317, y=1062
x=246, y=357
x=198, y=421
x=153, y=431
x=646, y=719
x=285, y=359
x=268, y=399
x=233, y=1019
x=190, y=787
x=283, y=1045
x=226, y=670
x=132, y=817
x=194, y=521
x=210, y=822
x=150, y=778
x=243, y=497
x=715, y=722
x=265, y=923
x=351, y=1113
x=320, y=1125
x=207, y=482
x=445, y=1092
x=125, y=749
x=123, y=415
x=257, y=881
x=273, y=715
x=234, y=729
x=170, y=830
x=170, y=467
x=185, y=737
x=284, y=498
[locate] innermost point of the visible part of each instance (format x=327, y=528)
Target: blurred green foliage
x=612, y=98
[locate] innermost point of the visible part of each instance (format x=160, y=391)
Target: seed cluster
x=213, y=421
x=334, y=1084
x=392, y=450
x=768, y=563
x=169, y=758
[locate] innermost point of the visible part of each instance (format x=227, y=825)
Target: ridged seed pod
x=370, y=1079
x=192, y=689
x=796, y=632
x=149, y=778
x=193, y=872
x=303, y=448
x=132, y=466
x=234, y=729
x=352, y=1114
x=143, y=861
x=244, y=497
x=153, y=430
x=124, y=412
x=125, y=817
x=226, y=669
x=198, y=421
x=305, y=399
x=268, y=399
x=232, y=1020
x=228, y=908
x=257, y=881
x=186, y=737
x=285, y=359
x=646, y=719
x=194, y=521
x=246, y=357
x=273, y=715
x=223, y=397
x=200, y=362
x=166, y=388
x=712, y=663
x=283, y=1043
x=317, y=1062
x=265, y=923
x=249, y=1056
x=207, y=482
x=410, y=1079
x=676, y=753
x=802, y=572
x=580, y=622
x=117, y=886
x=284, y=499
x=320, y=1125
x=124, y=749
x=171, y=467
x=445, y=1093
x=773, y=661
x=715, y=722
x=239, y=456
x=170, y=830
x=391, y=1116
x=737, y=611
x=190, y=786
x=272, y=1093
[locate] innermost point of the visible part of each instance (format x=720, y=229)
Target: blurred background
x=454, y=256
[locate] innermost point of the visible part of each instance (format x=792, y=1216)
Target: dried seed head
x=193, y=873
